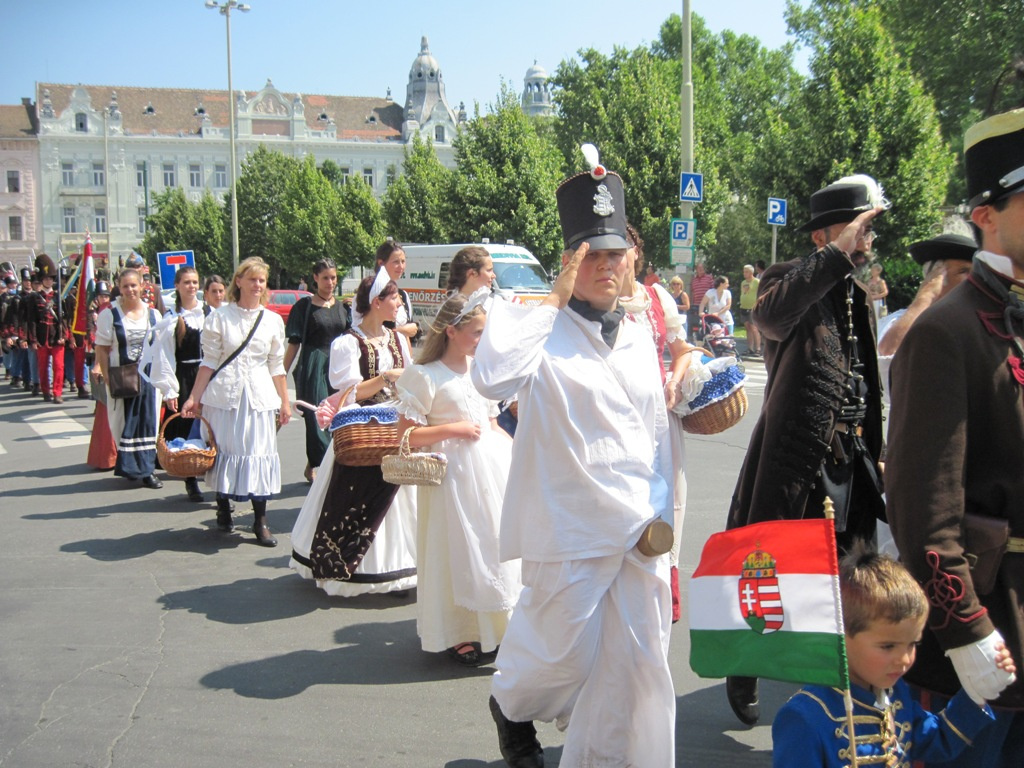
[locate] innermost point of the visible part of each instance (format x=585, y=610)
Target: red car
x=282, y=301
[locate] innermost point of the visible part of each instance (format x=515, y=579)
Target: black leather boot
x=192, y=489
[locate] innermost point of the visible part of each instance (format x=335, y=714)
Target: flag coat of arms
x=764, y=602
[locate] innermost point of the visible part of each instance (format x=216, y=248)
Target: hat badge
x=603, y=201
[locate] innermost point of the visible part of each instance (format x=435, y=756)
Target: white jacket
x=253, y=370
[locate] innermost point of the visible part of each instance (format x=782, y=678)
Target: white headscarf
x=380, y=282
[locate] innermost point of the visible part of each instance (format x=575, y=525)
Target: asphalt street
x=136, y=635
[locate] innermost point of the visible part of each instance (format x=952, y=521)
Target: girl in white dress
x=466, y=594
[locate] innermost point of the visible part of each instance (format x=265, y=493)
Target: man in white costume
x=591, y=475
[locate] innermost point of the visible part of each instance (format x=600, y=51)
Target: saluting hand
x=854, y=231
x=562, y=290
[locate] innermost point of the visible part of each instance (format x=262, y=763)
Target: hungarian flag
x=86, y=284
x=764, y=602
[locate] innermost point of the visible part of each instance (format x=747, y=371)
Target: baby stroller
x=714, y=334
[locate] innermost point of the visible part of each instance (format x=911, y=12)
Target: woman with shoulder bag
x=240, y=388
x=133, y=404
x=314, y=322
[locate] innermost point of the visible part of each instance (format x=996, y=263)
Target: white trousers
x=587, y=646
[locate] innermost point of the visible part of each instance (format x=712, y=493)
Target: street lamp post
x=225, y=10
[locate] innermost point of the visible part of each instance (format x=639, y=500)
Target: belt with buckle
x=849, y=429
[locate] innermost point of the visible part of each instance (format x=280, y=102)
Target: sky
x=336, y=47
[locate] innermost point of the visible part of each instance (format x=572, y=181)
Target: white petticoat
x=247, y=460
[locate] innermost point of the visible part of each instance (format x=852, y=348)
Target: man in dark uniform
x=7, y=293
x=955, y=472
x=820, y=429
x=46, y=330
x=25, y=356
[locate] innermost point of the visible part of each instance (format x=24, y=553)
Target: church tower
x=426, y=107
x=536, y=92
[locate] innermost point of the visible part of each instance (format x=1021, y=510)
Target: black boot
x=192, y=489
x=224, y=510
x=517, y=741
x=742, y=695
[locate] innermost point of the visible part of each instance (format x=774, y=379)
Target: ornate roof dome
x=536, y=72
x=425, y=67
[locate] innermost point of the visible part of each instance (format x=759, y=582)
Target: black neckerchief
x=609, y=319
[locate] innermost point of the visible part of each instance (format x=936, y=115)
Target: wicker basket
x=188, y=462
x=408, y=468
x=365, y=436
x=718, y=416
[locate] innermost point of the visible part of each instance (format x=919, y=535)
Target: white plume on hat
x=876, y=195
x=593, y=159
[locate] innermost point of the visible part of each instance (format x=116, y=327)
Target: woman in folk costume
x=121, y=332
x=374, y=550
x=102, y=448
x=656, y=311
x=175, y=356
x=314, y=322
x=242, y=389
x=465, y=593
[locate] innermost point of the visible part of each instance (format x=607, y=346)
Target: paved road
x=136, y=635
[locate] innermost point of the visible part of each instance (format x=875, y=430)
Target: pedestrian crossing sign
x=691, y=187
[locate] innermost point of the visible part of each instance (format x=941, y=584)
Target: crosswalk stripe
x=58, y=429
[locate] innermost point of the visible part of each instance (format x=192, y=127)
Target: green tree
x=359, y=225
x=506, y=181
x=304, y=228
x=177, y=224
x=261, y=186
x=416, y=205
x=868, y=113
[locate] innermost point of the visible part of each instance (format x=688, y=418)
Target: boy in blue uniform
x=884, y=612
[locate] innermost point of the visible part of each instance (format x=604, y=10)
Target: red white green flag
x=764, y=602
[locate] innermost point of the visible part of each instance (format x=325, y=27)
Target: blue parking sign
x=777, y=211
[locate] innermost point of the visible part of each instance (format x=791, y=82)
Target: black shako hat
x=592, y=207
x=843, y=201
x=994, y=158
x=26, y=274
x=943, y=247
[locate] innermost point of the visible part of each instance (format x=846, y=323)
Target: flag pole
x=847, y=697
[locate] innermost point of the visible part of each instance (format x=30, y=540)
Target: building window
x=67, y=174
x=368, y=176
x=142, y=220
x=345, y=173
x=438, y=133
x=169, y=180
x=391, y=175
x=70, y=225
x=220, y=176
x=14, y=182
x=100, y=220
x=14, y=228
x=140, y=175
x=195, y=175
x=98, y=175
x=81, y=122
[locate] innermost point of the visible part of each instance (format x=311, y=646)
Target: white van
x=516, y=273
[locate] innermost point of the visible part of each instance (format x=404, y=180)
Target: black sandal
x=466, y=654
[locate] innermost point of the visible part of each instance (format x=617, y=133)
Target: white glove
x=975, y=665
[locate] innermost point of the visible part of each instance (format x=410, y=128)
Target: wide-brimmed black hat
x=943, y=247
x=843, y=201
x=994, y=158
x=592, y=208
